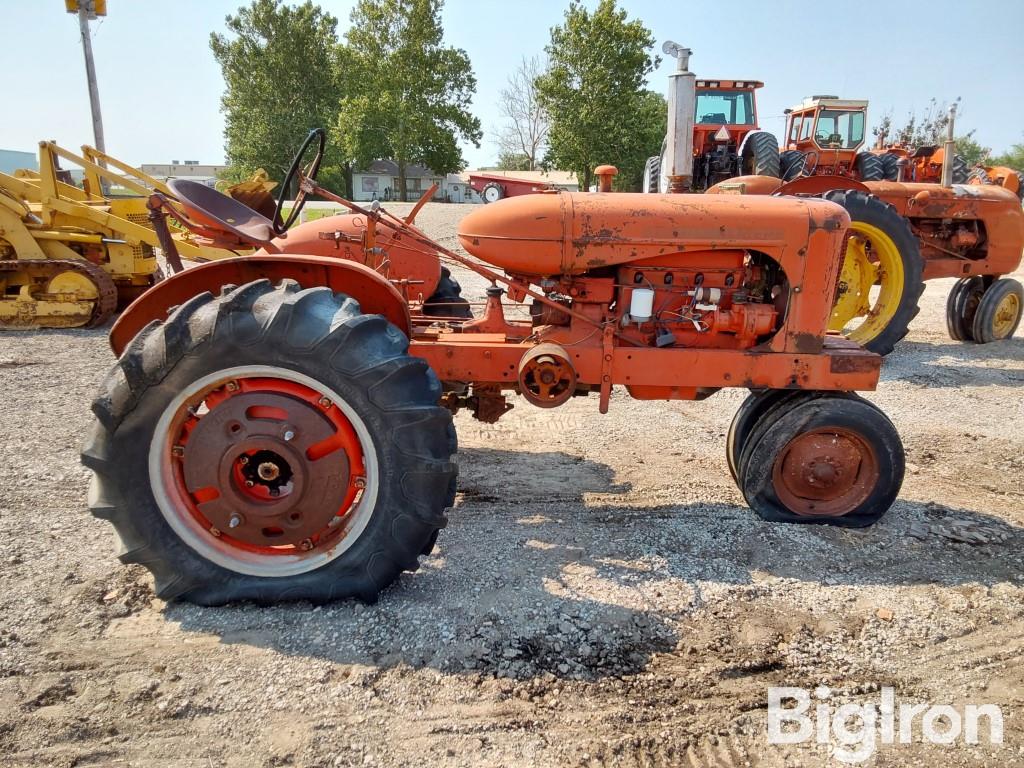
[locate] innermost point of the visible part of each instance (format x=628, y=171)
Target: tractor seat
x=213, y=210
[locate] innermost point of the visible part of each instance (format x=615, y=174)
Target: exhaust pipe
x=682, y=103
x=949, y=150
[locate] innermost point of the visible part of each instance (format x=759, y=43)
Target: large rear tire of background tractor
x=961, y=170
x=271, y=444
x=447, y=300
x=881, y=279
x=791, y=164
x=760, y=155
x=999, y=311
x=869, y=167
x=822, y=457
x=652, y=175
x=890, y=167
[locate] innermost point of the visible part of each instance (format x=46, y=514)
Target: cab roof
x=833, y=102
x=730, y=84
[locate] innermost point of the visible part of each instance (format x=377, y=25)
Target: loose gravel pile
x=601, y=596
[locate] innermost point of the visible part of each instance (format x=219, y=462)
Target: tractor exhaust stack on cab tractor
x=279, y=426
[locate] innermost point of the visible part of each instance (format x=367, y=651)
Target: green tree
x=1014, y=158
x=410, y=94
x=513, y=161
x=281, y=78
x=592, y=91
x=929, y=129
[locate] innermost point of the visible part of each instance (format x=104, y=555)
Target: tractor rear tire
x=979, y=175
x=761, y=155
x=271, y=364
x=961, y=170
x=890, y=167
x=791, y=164
x=900, y=294
x=652, y=175
x=822, y=457
x=962, y=305
x=869, y=167
x=999, y=311
x=446, y=300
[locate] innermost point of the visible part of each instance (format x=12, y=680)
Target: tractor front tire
x=761, y=155
x=962, y=305
x=882, y=244
x=869, y=167
x=999, y=311
x=822, y=457
x=271, y=444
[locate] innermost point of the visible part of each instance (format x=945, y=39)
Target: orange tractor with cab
x=280, y=425
x=723, y=129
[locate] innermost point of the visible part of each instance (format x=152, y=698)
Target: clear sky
x=160, y=87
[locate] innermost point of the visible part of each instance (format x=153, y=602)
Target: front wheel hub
x=826, y=472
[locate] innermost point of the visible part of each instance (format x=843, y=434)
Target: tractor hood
x=553, y=233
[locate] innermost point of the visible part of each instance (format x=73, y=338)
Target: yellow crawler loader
x=69, y=255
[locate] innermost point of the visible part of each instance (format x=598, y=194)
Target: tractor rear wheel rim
x=827, y=472
x=871, y=258
x=1005, y=317
x=264, y=471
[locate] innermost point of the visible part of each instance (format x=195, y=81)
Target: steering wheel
x=310, y=171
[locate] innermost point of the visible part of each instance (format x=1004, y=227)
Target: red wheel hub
x=827, y=472
x=268, y=465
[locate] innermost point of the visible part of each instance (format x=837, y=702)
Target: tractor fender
x=375, y=294
x=819, y=185
x=746, y=185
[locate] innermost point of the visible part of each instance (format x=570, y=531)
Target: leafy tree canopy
x=593, y=92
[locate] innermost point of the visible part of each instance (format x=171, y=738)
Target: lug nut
x=214, y=531
x=306, y=544
x=359, y=482
x=243, y=460
x=178, y=451
x=325, y=402
x=249, y=483
x=235, y=521
x=289, y=435
x=232, y=386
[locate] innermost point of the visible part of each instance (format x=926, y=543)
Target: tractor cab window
x=842, y=129
x=724, y=108
x=794, y=128
x=805, y=130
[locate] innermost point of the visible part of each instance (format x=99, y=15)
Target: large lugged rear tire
x=760, y=155
x=890, y=166
x=882, y=252
x=447, y=300
x=869, y=167
x=271, y=444
x=652, y=175
x=791, y=164
x=961, y=170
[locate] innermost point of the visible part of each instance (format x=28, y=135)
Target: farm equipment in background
x=1001, y=176
x=901, y=234
x=825, y=136
x=279, y=426
x=495, y=186
x=70, y=256
x=721, y=122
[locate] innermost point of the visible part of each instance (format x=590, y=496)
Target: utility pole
x=90, y=9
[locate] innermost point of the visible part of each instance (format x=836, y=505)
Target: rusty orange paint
x=375, y=294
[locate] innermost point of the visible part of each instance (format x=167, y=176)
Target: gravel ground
x=601, y=596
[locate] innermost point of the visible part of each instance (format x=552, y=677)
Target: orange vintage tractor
x=901, y=233
x=725, y=138
x=1001, y=176
x=279, y=426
